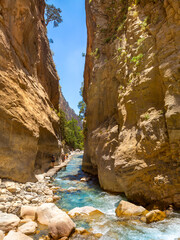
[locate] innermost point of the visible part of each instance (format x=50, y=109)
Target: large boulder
x=28, y=228
x=48, y=211
x=61, y=226
x=155, y=216
x=127, y=209
x=84, y=211
x=12, y=235
x=8, y=221
x=28, y=212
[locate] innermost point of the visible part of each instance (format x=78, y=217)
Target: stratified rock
x=12, y=235
x=87, y=211
x=28, y=228
x=29, y=92
x=2, y=235
x=8, y=221
x=132, y=93
x=61, y=226
x=155, y=216
x=127, y=209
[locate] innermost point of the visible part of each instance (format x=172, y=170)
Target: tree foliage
x=71, y=133
x=82, y=104
x=52, y=14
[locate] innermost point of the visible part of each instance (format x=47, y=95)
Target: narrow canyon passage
x=118, y=61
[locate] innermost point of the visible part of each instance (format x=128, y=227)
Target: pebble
x=13, y=195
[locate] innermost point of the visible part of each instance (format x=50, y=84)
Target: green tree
x=74, y=135
x=71, y=133
x=52, y=14
x=63, y=123
x=82, y=104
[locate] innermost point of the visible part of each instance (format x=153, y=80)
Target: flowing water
x=75, y=193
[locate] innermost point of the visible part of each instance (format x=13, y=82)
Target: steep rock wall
x=132, y=92
x=29, y=91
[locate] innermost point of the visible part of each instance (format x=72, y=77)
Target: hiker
x=52, y=161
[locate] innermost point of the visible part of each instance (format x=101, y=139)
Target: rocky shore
x=19, y=203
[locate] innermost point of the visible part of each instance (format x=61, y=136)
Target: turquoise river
x=75, y=193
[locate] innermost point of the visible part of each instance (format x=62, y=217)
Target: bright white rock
x=28, y=228
x=8, y=221
x=12, y=235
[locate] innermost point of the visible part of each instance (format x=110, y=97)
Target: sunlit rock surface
x=132, y=92
x=29, y=91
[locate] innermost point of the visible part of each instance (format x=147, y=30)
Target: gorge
x=131, y=125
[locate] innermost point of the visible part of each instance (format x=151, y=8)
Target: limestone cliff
x=29, y=91
x=132, y=92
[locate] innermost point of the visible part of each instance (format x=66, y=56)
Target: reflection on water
x=78, y=194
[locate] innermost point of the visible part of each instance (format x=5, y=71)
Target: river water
x=75, y=193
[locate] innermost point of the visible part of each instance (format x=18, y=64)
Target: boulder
x=48, y=211
x=2, y=235
x=127, y=209
x=28, y=212
x=8, y=221
x=87, y=210
x=12, y=235
x=155, y=216
x=61, y=226
x=85, y=179
x=28, y=228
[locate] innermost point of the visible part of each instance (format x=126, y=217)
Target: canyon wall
x=132, y=92
x=29, y=91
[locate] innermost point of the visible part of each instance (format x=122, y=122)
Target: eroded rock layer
x=132, y=91
x=29, y=91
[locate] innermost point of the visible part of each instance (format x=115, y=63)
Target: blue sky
x=70, y=40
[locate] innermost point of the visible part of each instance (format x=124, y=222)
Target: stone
x=28, y=212
x=2, y=235
x=127, y=209
x=85, y=179
x=47, y=211
x=61, y=226
x=12, y=235
x=50, y=200
x=155, y=216
x=2, y=207
x=8, y=221
x=13, y=189
x=28, y=228
x=87, y=211
x=56, y=198
x=29, y=197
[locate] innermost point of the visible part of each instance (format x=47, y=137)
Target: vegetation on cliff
x=71, y=133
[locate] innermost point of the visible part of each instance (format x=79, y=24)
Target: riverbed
x=75, y=193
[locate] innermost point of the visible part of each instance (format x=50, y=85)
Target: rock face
x=132, y=92
x=29, y=91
